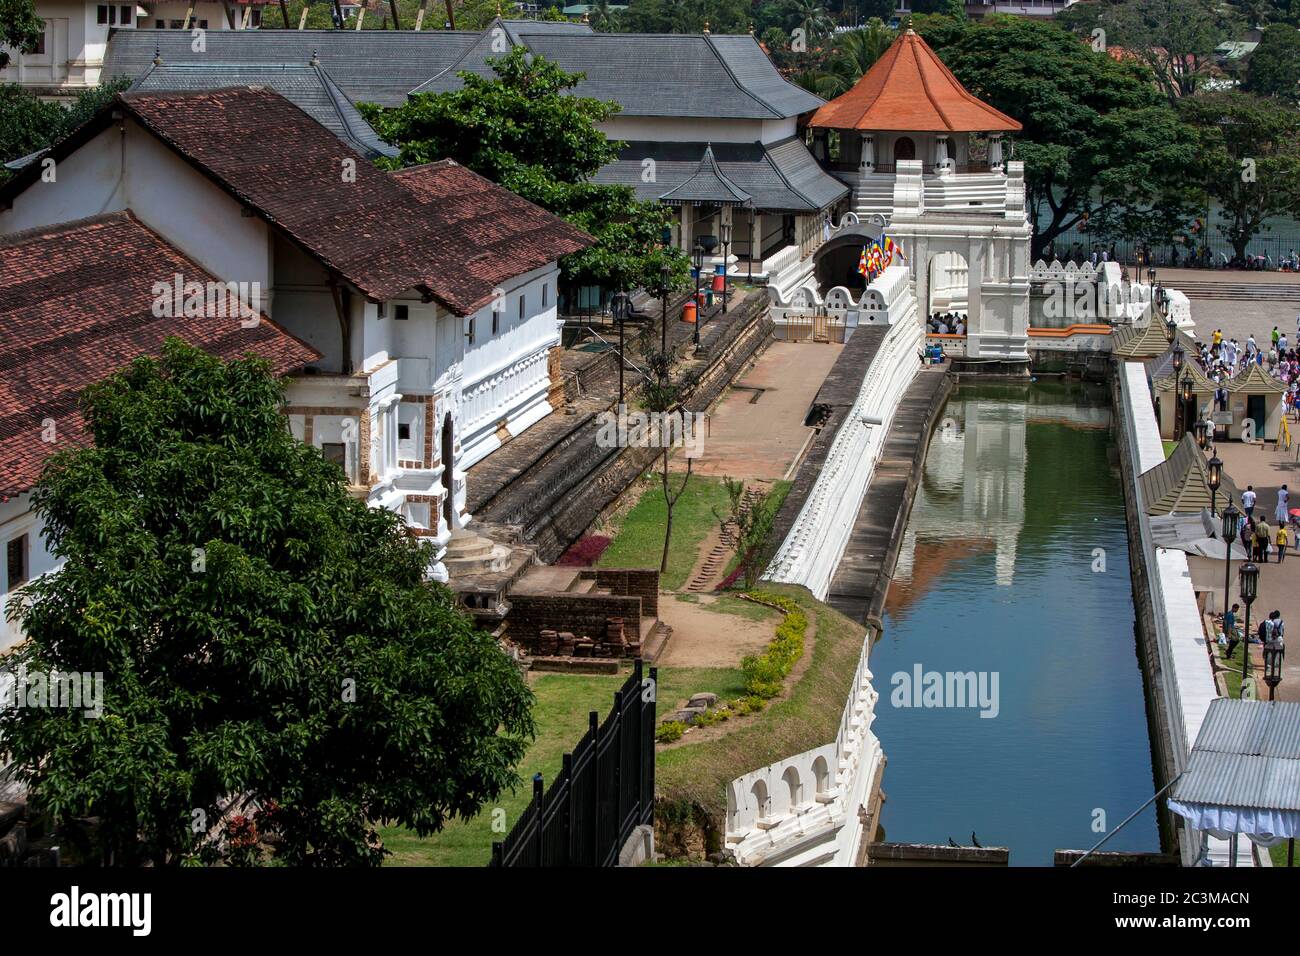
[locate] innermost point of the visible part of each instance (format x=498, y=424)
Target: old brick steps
x=706, y=578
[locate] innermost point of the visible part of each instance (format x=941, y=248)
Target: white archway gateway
x=929, y=161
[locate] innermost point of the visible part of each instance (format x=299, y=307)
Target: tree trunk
x=668, y=521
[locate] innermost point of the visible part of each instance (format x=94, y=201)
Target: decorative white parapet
x=807, y=810
x=1186, y=678
x=812, y=550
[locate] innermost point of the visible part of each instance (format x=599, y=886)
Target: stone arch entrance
x=904, y=149
x=948, y=284
x=837, y=260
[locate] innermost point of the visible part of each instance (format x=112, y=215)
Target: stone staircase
x=1241, y=291
x=706, y=577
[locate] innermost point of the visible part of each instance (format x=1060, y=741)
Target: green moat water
x=1015, y=567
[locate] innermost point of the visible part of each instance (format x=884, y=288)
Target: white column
x=867, y=163
x=995, y=152
x=686, y=229
x=941, y=152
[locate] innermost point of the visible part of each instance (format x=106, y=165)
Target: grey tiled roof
x=781, y=175
x=707, y=185
x=307, y=87
x=655, y=74
x=370, y=66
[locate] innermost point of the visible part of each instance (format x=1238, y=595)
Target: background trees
x=272, y=656
x=20, y=27
x=1274, y=67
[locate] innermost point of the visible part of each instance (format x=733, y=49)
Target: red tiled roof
x=76, y=305
x=909, y=89
x=383, y=232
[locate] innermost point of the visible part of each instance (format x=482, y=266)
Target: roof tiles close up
x=77, y=303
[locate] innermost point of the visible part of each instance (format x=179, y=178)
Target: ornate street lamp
x=1248, y=578
x=1151, y=275
x=1177, y=358
x=699, y=269
x=1202, y=432
x=620, y=308
x=1215, y=467
x=1274, y=652
x=726, y=255
x=1171, y=330
x=1231, y=528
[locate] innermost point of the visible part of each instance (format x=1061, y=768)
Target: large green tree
x=1249, y=157
x=28, y=123
x=1100, y=144
x=20, y=27
x=1175, y=39
x=522, y=128
x=1274, y=67
x=269, y=649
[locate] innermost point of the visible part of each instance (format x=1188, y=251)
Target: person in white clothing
x=1283, y=510
x=1248, y=501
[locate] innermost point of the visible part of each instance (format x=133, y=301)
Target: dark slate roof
x=655, y=74
x=76, y=305
x=307, y=86
x=780, y=175
x=384, y=233
x=707, y=185
x=370, y=66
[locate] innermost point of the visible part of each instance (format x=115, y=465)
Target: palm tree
x=813, y=18
x=857, y=51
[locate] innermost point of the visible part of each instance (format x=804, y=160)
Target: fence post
x=539, y=801
x=567, y=776
x=648, y=748
x=619, y=729
x=593, y=721
x=638, y=708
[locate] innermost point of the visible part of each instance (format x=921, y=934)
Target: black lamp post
x=1184, y=396
x=1214, y=467
x=699, y=270
x=1151, y=275
x=1171, y=330
x=1177, y=356
x=725, y=229
x=1274, y=652
x=1231, y=528
x=665, y=273
x=620, y=306
x=1249, y=581
x=1202, y=431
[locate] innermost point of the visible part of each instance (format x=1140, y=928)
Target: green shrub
x=765, y=674
x=669, y=731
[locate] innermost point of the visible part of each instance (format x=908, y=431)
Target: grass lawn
x=809, y=717
x=563, y=701
x=639, y=541
x=1169, y=447
x=725, y=603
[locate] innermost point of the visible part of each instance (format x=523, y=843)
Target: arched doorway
x=904, y=148
x=948, y=288
x=448, y=480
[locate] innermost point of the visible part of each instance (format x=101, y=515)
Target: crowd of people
x=946, y=323
x=1222, y=358
x=1199, y=257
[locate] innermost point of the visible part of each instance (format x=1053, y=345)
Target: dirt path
x=705, y=638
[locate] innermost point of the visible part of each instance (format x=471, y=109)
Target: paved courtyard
x=757, y=430
x=1239, y=317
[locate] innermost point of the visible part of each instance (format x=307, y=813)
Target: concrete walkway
x=1279, y=584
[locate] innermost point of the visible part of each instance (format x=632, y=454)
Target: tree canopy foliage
x=274, y=663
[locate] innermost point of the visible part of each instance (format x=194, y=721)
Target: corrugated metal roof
x=1247, y=754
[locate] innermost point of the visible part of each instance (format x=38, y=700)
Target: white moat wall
x=809, y=809
x=812, y=550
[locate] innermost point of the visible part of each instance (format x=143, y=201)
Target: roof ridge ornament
x=157, y=55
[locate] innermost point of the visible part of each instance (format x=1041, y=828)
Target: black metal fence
x=1217, y=253
x=605, y=789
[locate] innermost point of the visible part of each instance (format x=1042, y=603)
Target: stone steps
x=1245, y=291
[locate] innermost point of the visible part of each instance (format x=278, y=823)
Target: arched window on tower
x=904, y=148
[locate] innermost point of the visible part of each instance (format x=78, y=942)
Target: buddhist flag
x=862, y=262
x=889, y=251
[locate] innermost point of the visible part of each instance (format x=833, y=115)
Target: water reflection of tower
x=972, y=487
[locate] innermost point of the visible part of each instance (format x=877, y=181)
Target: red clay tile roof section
x=76, y=305
x=511, y=235
x=375, y=232
x=909, y=89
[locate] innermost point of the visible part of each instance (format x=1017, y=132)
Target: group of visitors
x=946, y=323
x=1257, y=537
x=1271, y=630
x=1222, y=358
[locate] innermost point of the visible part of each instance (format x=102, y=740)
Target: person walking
x=1283, y=539
x=1263, y=535
x=1283, y=508
x=1230, y=632
x=1248, y=500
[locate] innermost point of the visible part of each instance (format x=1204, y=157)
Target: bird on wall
x=973, y=841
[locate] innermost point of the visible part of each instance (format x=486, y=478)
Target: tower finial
x=706, y=26
x=157, y=55
x=315, y=59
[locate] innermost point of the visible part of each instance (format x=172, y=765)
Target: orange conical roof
x=910, y=89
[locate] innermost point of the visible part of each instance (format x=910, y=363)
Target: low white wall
x=804, y=810
x=812, y=550
x=1185, y=674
